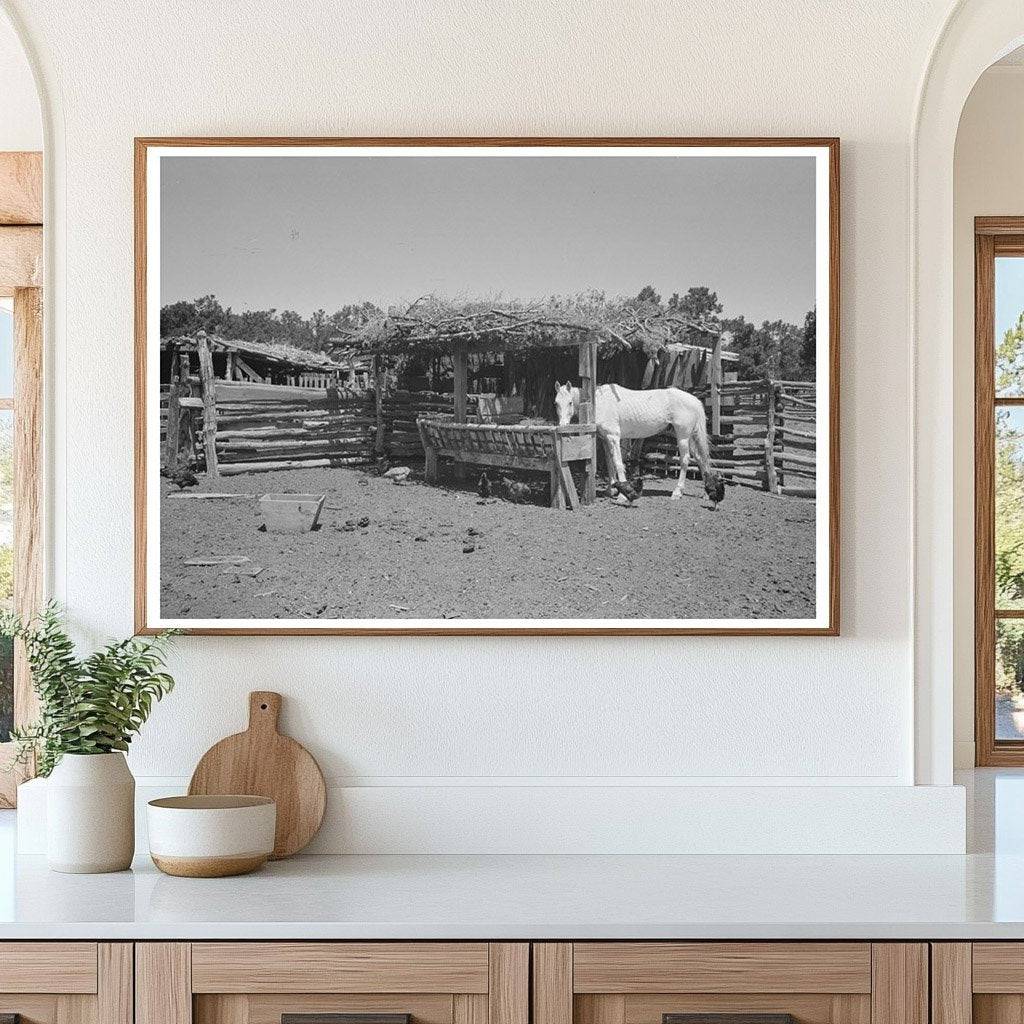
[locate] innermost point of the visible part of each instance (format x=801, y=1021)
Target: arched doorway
x=976, y=33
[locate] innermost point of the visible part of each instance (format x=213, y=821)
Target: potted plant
x=89, y=710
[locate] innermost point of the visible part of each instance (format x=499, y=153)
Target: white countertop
x=532, y=897
x=978, y=896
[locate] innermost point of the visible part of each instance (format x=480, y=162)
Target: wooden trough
x=538, y=447
x=291, y=513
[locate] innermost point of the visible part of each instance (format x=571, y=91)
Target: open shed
x=499, y=435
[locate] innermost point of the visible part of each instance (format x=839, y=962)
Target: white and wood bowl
x=211, y=836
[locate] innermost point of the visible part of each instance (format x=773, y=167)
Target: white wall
x=20, y=122
x=988, y=180
x=400, y=714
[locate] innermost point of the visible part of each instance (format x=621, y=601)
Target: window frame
x=993, y=237
x=21, y=272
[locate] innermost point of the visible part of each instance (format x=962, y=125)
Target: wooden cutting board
x=262, y=762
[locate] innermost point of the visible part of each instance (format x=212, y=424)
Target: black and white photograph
x=463, y=386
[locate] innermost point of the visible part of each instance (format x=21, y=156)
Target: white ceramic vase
x=90, y=814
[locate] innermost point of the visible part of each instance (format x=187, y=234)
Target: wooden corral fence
x=399, y=412
x=230, y=427
x=765, y=437
x=762, y=432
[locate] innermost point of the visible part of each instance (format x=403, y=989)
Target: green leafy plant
x=90, y=705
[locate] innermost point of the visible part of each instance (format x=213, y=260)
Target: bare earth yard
x=393, y=552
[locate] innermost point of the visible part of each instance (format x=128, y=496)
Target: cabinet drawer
x=66, y=982
x=340, y=967
x=635, y=967
x=263, y=982
x=749, y=982
x=52, y=967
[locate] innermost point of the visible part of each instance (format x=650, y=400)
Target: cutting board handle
x=264, y=711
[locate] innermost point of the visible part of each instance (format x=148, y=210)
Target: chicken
x=629, y=490
x=183, y=477
x=514, y=491
x=483, y=486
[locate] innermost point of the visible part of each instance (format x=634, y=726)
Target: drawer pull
x=340, y=1018
x=728, y=1018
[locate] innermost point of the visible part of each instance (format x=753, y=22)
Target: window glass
x=6, y=526
x=1009, y=327
x=1009, y=511
x=1009, y=679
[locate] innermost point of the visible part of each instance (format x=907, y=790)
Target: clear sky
x=6, y=352
x=1009, y=293
x=313, y=232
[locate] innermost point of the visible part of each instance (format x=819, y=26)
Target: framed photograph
x=487, y=386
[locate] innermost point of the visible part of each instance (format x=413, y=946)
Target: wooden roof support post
x=173, y=434
x=378, y=402
x=461, y=359
x=588, y=410
x=716, y=386
x=209, y=387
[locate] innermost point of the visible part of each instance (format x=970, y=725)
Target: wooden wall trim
x=163, y=983
x=997, y=225
x=951, y=983
x=899, y=983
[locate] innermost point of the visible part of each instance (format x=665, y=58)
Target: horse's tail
x=700, y=445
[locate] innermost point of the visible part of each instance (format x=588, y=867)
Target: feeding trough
x=291, y=513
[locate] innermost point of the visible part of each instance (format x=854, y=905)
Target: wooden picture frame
x=826, y=620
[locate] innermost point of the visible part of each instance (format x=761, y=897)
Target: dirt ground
x=398, y=552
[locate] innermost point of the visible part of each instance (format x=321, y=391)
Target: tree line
x=774, y=348
x=284, y=327
x=1009, y=507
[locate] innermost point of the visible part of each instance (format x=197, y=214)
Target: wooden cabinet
x=494, y=983
x=66, y=982
x=815, y=982
x=261, y=982
x=979, y=982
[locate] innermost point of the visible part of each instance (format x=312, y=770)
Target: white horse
x=623, y=413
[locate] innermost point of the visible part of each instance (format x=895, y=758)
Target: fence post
x=770, y=480
x=716, y=386
x=173, y=424
x=209, y=389
x=378, y=390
